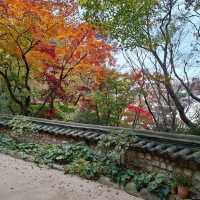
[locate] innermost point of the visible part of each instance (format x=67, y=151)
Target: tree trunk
x=172, y=93
x=51, y=108
x=179, y=106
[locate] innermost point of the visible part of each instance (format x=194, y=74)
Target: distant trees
x=107, y=103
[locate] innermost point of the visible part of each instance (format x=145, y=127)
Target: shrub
x=84, y=168
x=159, y=186
x=142, y=180
x=183, y=180
x=49, y=153
x=20, y=125
x=116, y=144
x=64, y=112
x=78, y=151
x=86, y=117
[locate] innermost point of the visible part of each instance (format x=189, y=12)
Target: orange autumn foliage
x=77, y=60
x=24, y=26
x=52, y=47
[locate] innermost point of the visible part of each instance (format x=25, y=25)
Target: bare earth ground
x=20, y=180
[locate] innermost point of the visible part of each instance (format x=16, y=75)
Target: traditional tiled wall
x=141, y=160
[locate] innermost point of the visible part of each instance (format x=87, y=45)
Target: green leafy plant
x=183, y=180
x=174, y=183
x=81, y=160
x=142, y=180
x=158, y=180
x=6, y=142
x=116, y=144
x=20, y=125
x=183, y=184
x=124, y=176
x=79, y=151
x=159, y=186
x=87, y=117
x=118, y=174
x=64, y=154
x=86, y=169
x=64, y=112
x=49, y=153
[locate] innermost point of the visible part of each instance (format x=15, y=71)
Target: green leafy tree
x=112, y=98
x=122, y=20
x=156, y=29
x=106, y=104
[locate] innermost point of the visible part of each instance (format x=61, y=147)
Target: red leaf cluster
x=141, y=112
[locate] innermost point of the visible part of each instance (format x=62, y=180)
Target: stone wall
x=141, y=160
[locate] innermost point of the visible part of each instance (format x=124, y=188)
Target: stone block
x=167, y=161
x=131, y=188
x=197, y=176
x=155, y=163
x=133, y=154
x=163, y=165
x=156, y=158
x=141, y=155
x=136, y=163
x=178, y=170
x=148, y=156
x=187, y=172
x=169, y=167
x=196, y=181
x=149, y=168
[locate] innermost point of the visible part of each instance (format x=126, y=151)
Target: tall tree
x=44, y=48
x=25, y=28
x=107, y=103
x=157, y=28
x=78, y=60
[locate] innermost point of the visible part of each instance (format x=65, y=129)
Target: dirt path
x=20, y=180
